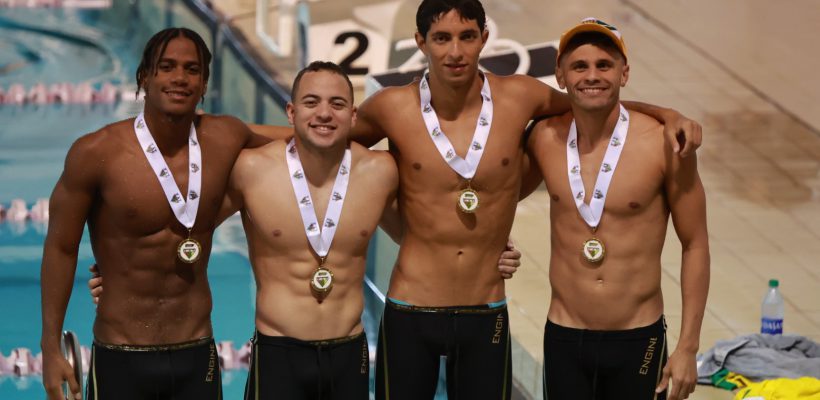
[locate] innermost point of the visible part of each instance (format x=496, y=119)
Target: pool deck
x=753, y=87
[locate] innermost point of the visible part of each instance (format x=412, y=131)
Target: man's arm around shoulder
x=69, y=208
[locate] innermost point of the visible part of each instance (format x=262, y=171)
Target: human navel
x=600, y=282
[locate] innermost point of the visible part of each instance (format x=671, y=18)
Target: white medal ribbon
x=592, y=212
x=466, y=167
x=184, y=207
x=319, y=236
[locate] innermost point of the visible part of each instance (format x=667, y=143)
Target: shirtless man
x=445, y=295
x=605, y=337
x=151, y=200
x=310, y=343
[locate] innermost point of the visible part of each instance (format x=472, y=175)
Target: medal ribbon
x=592, y=212
x=464, y=167
x=184, y=207
x=320, y=237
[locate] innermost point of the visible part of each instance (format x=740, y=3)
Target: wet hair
x=596, y=39
x=155, y=48
x=317, y=66
x=431, y=11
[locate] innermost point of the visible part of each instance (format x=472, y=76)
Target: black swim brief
x=291, y=369
x=474, y=339
x=587, y=364
x=179, y=371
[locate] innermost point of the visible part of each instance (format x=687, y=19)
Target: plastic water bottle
x=772, y=310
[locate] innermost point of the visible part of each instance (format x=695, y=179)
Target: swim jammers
x=474, y=339
x=604, y=365
x=187, y=370
x=285, y=368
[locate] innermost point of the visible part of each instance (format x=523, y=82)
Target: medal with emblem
x=468, y=200
x=465, y=167
x=320, y=236
x=184, y=207
x=593, y=249
x=322, y=280
x=189, y=251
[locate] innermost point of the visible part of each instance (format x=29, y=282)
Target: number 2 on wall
x=362, y=43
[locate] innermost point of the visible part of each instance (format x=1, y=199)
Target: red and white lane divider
x=22, y=362
x=56, y=3
x=64, y=93
x=18, y=211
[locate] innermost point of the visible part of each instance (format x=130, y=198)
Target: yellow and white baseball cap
x=593, y=25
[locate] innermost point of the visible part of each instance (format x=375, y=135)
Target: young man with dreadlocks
x=150, y=189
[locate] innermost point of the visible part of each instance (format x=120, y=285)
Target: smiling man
x=150, y=189
x=309, y=208
x=605, y=337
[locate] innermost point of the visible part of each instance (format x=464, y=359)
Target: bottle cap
x=774, y=283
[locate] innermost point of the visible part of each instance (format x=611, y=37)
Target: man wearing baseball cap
x=610, y=201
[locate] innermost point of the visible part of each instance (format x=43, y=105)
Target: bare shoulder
x=390, y=98
x=376, y=163
x=516, y=85
x=225, y=127
x=644, y=127
x=104, y=141
x=261, y=157
x=551, y=129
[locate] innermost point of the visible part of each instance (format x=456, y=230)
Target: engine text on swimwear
x=499, y=326
x=209, y=377
x=647, y=357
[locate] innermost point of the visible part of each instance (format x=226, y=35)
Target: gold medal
x=189, y=251
x=594, y=250
x=468, y=200
x=322, y=280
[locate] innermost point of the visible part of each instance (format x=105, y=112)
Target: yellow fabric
x=739, y=380
x=782, y=389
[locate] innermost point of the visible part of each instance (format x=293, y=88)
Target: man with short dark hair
x=150, y=189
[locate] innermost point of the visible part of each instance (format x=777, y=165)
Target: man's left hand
x=510, y=260
x=680, y=130
x=679, y=376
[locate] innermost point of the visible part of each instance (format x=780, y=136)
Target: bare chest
x=635, y=183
